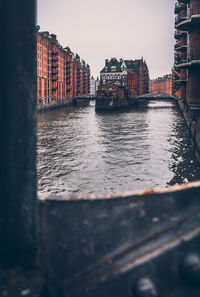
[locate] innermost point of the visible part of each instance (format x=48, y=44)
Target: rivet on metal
x=146, y=288
x=191, y=268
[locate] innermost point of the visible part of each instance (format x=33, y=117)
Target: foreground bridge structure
x=132, y=244
x=156, y=96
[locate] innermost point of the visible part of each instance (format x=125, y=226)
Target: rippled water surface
x=82, y=152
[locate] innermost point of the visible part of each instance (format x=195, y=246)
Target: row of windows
x=112, y=77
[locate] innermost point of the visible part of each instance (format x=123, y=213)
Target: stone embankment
x=192, y=118
x=55, y=105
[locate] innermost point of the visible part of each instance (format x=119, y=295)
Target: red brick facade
x=162, y=85
x=186, y=72
x=112, y=90
x=61, y=75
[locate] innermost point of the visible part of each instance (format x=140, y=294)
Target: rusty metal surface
x=97, y=244
x=172, y=189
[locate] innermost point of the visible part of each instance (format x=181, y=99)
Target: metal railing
x=179, y=19
x=179, y=34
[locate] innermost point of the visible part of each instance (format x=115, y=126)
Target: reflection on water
x=81, y=152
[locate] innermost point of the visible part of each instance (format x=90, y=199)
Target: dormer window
x=113, y=68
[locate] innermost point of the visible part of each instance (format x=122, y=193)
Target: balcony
x=178, y=70
x=54, y=66
x=193, y=61
x=54, y=59
x=179, y=35
x=180, y=78
x=178, y=61
x=182, y=81
x=54, y=53
x=184, y=1
x=180, y=47
x=179, y=7
x=190, y=22
x=179, y=20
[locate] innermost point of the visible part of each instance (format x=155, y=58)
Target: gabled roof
x=123, y=65
x=112, y=66
x=133, y=65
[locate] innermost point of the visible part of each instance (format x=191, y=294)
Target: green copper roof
x=123, y=66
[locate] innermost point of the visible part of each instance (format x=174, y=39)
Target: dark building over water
x=133, y=74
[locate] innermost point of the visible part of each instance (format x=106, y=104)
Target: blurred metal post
x=18, y=137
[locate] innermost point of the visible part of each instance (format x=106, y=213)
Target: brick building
x=162, y=85
x=112, y=90
x=61, y=75
x=186, y=72
x=133, y=75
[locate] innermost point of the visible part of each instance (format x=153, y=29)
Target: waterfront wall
x=192, y=119
x=55, y=104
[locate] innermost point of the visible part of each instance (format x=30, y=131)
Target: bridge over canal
x=156, y=96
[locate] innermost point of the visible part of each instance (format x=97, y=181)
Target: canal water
x=81, y=152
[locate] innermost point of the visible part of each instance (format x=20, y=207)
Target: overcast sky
x=100, y=29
